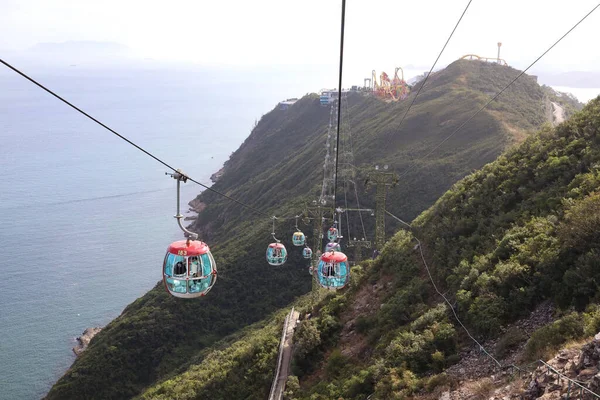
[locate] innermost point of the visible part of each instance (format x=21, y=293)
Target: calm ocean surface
x=85, y=218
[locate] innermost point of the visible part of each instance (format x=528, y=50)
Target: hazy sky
x=380, y=34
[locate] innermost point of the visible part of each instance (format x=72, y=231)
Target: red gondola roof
x=277, y=246
x=195, y=248
x=334, y=256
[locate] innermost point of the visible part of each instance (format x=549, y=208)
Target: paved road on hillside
x=558, y=113
x=285, y=357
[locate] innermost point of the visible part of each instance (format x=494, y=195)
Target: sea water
x=583, y=94
x=85, y=218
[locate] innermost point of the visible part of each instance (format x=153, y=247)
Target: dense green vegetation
x=569, y=103
x=243, y=369
x=410, y=338
x=278, y=169
x=521, y=251
x=524, y=228
x=521, y=231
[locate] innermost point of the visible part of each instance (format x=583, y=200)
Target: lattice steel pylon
x=358, y=245
x=348, y=175
x=382, y=180
x=327, y=189
x=315, y=213
x=346, y=169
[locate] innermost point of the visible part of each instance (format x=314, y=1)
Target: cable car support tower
x=347, y=174
x=382, y=180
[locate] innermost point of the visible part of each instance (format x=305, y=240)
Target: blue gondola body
x=333, y=270
x=276, y=254
x=189, y=269
x=332, y=246
x=307, y=253
x=332, y=234
x=298, y=239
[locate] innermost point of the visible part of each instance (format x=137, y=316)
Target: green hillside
x=278, y=169
x=521, y=231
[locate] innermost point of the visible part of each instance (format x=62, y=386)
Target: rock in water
x=84, y=340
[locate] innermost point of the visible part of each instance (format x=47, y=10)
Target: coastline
x=197, y=206
x=83, y=341
x=217, y=175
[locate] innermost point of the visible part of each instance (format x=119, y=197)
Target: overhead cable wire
x=451, y=307
x=434, y=64
x=346, y=212
x=345, y=170
x=481, y=348
x=351, y=140
x=360, y=213
x=328, y=181
x=411, y=167
x=125, y=138
x=337, y=148
x=443, y=296
x=446, y=139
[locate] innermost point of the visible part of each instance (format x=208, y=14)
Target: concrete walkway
x=285, y=356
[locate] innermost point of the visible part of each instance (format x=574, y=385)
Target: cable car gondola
x=307, y=252
x=276, y=252
x=298, y=238
x=332, y=234
x=189, y=269
x=333, y=270
x=332, y=246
